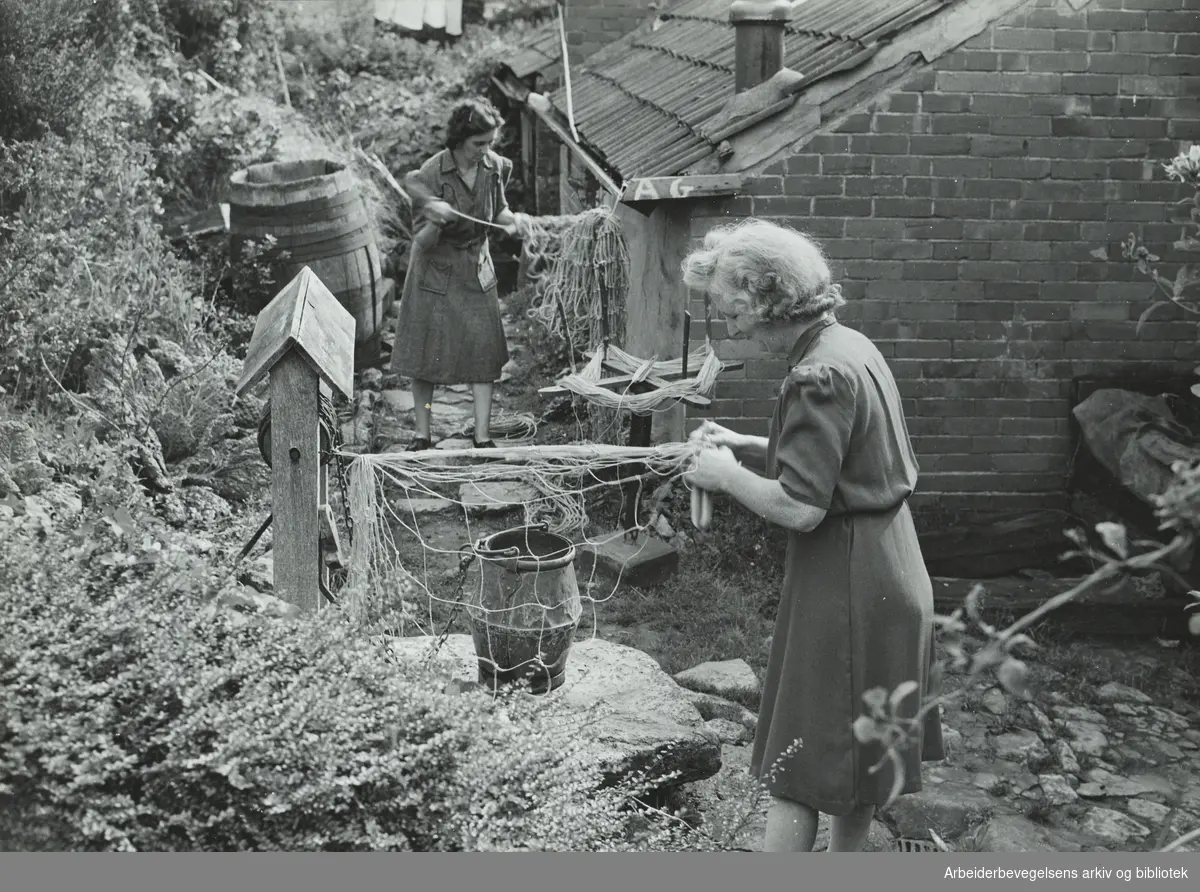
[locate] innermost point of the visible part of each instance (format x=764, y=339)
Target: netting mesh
x=578, y=265
x=423, y=556
x=416, y=516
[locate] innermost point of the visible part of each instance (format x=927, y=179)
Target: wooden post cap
x=771, y=12
x=303, y=316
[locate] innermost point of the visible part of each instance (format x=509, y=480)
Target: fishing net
x=416, y=564
x=578, y=265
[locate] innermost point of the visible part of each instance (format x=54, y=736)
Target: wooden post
x=657, y=298
x=641, y=426
x=758, y=53
x=295, y=479
x=304, y=339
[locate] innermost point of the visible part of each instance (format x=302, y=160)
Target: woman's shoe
x=487, y=444
x=420, y=444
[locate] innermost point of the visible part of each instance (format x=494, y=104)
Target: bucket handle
x=507, y=558
x=510, y=558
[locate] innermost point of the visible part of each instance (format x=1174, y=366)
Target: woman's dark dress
x=857, y=605
x=449, y=329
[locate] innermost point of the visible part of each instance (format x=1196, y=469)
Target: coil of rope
x=508, y=429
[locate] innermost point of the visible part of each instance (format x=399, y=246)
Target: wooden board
x=304, y=316
x=623, y=381
x=654, y=309
x=674, y=188
x=331, y=540
x=542, y=108
x=999, y=545
x=205, y=223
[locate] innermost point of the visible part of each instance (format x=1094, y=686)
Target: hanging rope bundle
x=577, y=263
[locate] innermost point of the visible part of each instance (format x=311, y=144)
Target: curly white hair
x=761, y=269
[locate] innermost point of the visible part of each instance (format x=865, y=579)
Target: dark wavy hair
x=471, y=117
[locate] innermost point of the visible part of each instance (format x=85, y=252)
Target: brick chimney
x=760, y=27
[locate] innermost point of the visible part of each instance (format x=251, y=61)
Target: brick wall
x=593, y=23
x=961, y=212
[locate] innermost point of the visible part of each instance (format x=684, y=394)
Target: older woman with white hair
x=856, y=610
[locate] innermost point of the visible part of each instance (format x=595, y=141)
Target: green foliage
x=200, y=139
x=510, y=11
x=83, y=257
x=394, y=94
x=86, y=276
x=1178, y=291
x=230, y=39
x=54, y=55
x=138, y=710
x=137, y=714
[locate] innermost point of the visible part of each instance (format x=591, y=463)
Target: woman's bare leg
x=848, y=833
x=422, y=392
x=482, y=396
x=791, y=827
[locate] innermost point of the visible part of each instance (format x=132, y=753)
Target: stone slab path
x=1119, y=774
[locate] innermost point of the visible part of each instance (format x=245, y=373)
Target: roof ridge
x=684, y=57
x=789, y=27
x=642, y=116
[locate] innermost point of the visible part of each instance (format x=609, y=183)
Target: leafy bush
x=199, y=139
x=509, y=11
x=54, y=54
x=394, y=94
x=138, y=714
x=230, y=39
x=1181, y=290
x=84, y=255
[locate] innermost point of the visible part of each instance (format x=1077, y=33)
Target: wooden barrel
x=317, y=215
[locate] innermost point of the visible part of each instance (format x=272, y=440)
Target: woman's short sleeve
x=424, y=184
x=504, y=169
x=816, y=420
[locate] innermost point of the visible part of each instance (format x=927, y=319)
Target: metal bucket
x=524, y=616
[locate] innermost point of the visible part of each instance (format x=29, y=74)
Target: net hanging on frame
x=412, y=569
x=578, y=266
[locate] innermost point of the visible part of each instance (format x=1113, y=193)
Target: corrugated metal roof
x=642, y=101
x=540, y=53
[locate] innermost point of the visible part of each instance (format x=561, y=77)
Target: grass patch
x=699, y=617
x=1167, y=674
x=721, y=603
